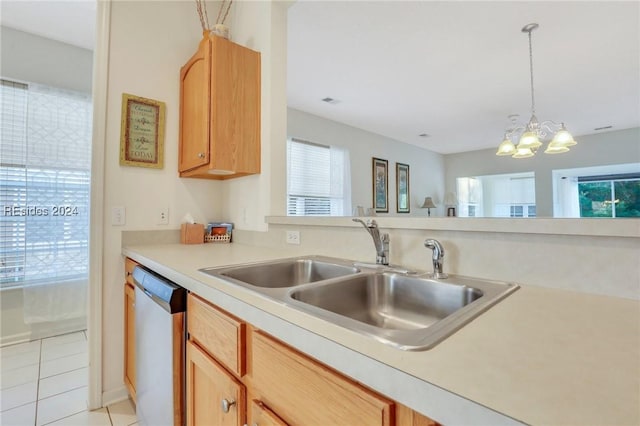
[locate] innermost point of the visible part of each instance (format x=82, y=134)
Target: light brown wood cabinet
x=214, y=397
x=270, y=383
x=261, y=415
x=129, y=330
x=303, y=391
x=220, y=111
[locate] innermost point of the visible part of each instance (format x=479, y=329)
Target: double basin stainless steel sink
x=409, y=311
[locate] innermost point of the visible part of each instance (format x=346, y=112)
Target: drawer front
x=128, y=269
x=303, y=391
x=218, y=332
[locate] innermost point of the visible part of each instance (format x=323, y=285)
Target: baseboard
x=15, y=339
x=114, y=395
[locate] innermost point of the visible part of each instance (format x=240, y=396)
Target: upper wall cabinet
x=220, y=111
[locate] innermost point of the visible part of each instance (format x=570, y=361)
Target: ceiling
x=456, y=70
x=453, y=70
x=71, y=21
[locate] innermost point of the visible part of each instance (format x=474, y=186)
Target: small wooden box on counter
x=192, y=233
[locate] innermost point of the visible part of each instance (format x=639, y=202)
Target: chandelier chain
x=533, y=101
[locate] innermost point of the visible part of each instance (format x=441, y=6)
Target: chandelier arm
x=513, y=130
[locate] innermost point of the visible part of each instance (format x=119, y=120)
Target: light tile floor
x=44, y=382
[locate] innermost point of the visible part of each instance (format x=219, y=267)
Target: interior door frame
x=96, y=218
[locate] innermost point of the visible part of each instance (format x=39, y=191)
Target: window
x=508, y=195
x=469, y=196
x=609, y=195
x=44, y=184
x=318, y=180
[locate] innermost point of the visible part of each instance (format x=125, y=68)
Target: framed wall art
x=380, y=185
x=403, y=198
x=142, y=132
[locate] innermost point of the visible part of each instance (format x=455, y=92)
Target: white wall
x=616, y=147
x=426, y=169
x=261, y=25
x=33, y=59
x=150, y=41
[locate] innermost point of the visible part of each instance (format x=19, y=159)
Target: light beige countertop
x=540, y=356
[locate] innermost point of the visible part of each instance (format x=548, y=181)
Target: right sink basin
x=405, y=311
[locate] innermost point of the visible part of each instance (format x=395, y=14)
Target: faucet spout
x=437, y=257
x=381, y=242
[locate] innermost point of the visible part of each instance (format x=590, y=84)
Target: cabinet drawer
x=128, y=269
x=218, y=332
x=303, y=391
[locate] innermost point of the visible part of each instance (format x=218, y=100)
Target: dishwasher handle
x=170, y=296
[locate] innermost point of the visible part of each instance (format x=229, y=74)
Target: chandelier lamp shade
x=531, y=135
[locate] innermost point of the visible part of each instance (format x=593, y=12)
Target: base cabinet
x=129, y=330
x=237, y=373
x=214, y=397
x=261, y=415
x=302, y=391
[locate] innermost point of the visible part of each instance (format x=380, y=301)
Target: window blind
x=316, y=182
x=44, y=184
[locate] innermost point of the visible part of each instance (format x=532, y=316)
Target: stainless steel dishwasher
x=160, y=346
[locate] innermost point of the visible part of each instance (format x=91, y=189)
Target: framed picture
x=380, y=185
x=403, y=199
x=142, y=132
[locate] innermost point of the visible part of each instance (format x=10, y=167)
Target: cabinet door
x=260, y=415
x=305, y=392
x=195, y=89
x=130, y=340
x=214, y=396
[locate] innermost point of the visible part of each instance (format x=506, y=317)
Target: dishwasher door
x=160, y=346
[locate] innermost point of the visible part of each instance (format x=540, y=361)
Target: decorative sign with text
x=142, y=132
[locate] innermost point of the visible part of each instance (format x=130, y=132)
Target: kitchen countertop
x=540, y=356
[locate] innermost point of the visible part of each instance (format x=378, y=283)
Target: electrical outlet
x=162, y=216
x=293, y=237
x=118, y=216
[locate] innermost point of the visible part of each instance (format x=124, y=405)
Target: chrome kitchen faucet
x=437, y=257
x=380, y=241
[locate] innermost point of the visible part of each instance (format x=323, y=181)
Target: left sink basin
x=285, y=272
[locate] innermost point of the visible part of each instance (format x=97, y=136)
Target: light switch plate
x=118, y=216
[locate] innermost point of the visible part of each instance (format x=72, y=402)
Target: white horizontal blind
x=316, y=179
x=45, y=177
x=308, y=179
x=13, y=131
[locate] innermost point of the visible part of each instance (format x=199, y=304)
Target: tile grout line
x=62, y=418
x=35, y=420
x=60, y=393
x=64, y=372
x=109, y=415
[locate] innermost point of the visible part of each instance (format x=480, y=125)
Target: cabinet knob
x=226, y=405
x=201, y=155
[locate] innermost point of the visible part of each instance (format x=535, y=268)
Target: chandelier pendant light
x=534, y=132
